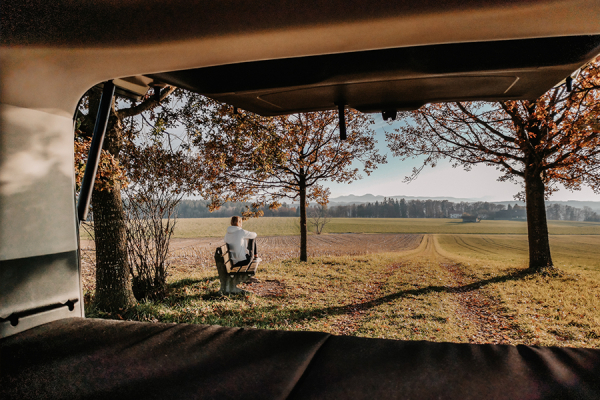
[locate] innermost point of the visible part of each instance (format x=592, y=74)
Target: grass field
x=272, y=226
x=574, y=253
x=199, y=252
x=411, y=279
x=451, y=287
x=216, y=227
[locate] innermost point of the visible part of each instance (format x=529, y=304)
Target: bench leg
x=229, y=284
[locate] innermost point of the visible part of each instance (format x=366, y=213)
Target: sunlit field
x=411, y=279
x=290, y=226
x=576, y=253
x=272, y=226
x=455, y=286
x=216, y=227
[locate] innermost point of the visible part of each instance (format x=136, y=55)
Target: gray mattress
x=90, y=358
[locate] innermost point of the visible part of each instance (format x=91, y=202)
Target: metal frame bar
x=91, y=168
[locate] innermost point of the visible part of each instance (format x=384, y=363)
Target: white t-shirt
x=235, y=238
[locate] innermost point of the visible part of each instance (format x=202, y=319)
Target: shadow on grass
x=513, y=276
x=183, y=283
x=188, y=282
x=184, y=298
x=291, y=315
x=300, y=314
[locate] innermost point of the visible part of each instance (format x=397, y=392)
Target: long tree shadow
x=513, y=276
x=300, y=314
x=189, y=282
x=200, y=296
x=182, y=283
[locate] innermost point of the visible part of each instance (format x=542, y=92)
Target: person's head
x=236, y=221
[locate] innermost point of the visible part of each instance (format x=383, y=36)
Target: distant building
x=470, y=218
x=456, y=215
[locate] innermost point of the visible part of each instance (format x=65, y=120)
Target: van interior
x=270, y=58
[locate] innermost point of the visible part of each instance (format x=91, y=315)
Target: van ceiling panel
x=130, y=23
x=401, y=78
x=400, y=94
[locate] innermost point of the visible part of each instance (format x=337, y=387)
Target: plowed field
x=199, y=252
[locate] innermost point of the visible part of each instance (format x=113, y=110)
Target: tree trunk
x=537, y=225
x=113, y=286
x=303, y=228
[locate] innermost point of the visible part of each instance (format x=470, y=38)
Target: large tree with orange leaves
x=551, y=141
x=266, y=159
x=157, y=169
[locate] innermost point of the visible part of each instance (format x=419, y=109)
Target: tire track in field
x=352, y=316
x=478, y=309
x=492, y=242
x=474, y=308
x=460, y=241
x=350, y=320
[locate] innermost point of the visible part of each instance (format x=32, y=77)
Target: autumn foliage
x=266, y=159
x=144, y=171
x=540, y=144
x=110, y=171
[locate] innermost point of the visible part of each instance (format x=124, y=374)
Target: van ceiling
x=109, y=23
x=278, y=57
x=393, y=79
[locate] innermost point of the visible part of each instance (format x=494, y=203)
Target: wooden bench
x=229, y=275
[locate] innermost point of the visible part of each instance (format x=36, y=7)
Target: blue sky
x=443, y=180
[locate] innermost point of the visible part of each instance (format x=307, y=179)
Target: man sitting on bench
x=241, y=254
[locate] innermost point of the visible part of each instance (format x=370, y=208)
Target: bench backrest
x=223, y=256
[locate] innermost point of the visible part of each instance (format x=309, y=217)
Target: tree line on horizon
x=394, y=208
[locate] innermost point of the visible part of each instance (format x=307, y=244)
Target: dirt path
x=477, y=312
x=477, y=309
x=350, y=322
